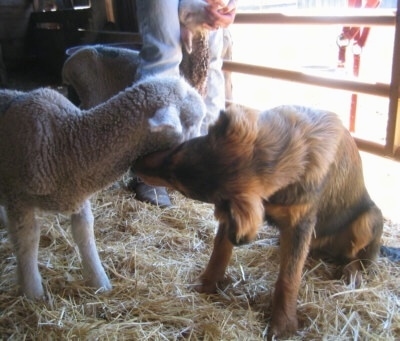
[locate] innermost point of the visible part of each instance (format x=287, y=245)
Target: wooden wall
x=14, y=19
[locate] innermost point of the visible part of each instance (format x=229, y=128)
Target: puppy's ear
x=235, y=131
x=220, y=127
x=243, y=217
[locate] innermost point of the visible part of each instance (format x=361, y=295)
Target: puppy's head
x=205, y=168
x=184, y=168
x=216, y=168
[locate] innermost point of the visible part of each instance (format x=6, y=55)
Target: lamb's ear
x=166, y=118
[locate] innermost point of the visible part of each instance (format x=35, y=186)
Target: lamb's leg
x=25, y=235
x=83, y=234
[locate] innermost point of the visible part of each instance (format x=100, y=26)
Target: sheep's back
x=31, y=131
x=99, y=72
x=6, y=98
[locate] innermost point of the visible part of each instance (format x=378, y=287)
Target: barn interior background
x=153, y=255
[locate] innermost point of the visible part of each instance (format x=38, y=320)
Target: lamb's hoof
x=157, y=196
x=33, y=293
x=100, y=285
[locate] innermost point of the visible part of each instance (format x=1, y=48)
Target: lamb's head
x=174, y=111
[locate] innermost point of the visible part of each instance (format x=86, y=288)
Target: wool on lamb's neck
x=114, y=134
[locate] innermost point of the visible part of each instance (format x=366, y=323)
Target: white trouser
x=161, y=52
x=159, y=27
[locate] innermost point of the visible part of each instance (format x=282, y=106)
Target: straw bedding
x=153, y=256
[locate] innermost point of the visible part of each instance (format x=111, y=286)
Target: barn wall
x=14, y=19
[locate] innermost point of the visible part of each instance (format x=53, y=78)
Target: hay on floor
x=153, y=256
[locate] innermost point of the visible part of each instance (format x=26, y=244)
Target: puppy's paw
x=353, y=278
x=282, y=325
x=205, y=285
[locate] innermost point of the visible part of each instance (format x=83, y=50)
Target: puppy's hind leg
x=363, y=240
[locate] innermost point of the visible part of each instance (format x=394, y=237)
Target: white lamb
x=54, y=156
x=98, y=72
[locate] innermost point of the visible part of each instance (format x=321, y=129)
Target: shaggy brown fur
x=296, y=167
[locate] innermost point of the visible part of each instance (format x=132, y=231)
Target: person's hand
x=220, y=14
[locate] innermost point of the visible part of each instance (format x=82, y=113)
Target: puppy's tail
x=393, y=253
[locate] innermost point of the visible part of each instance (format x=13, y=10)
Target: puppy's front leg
x=294, y=247
x=218, y=263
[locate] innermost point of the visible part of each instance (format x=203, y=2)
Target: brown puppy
x=296, y=167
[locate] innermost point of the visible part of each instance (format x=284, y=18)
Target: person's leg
x=215, y=96
x=161, y=52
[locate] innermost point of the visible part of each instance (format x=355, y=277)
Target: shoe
x=154, y=195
